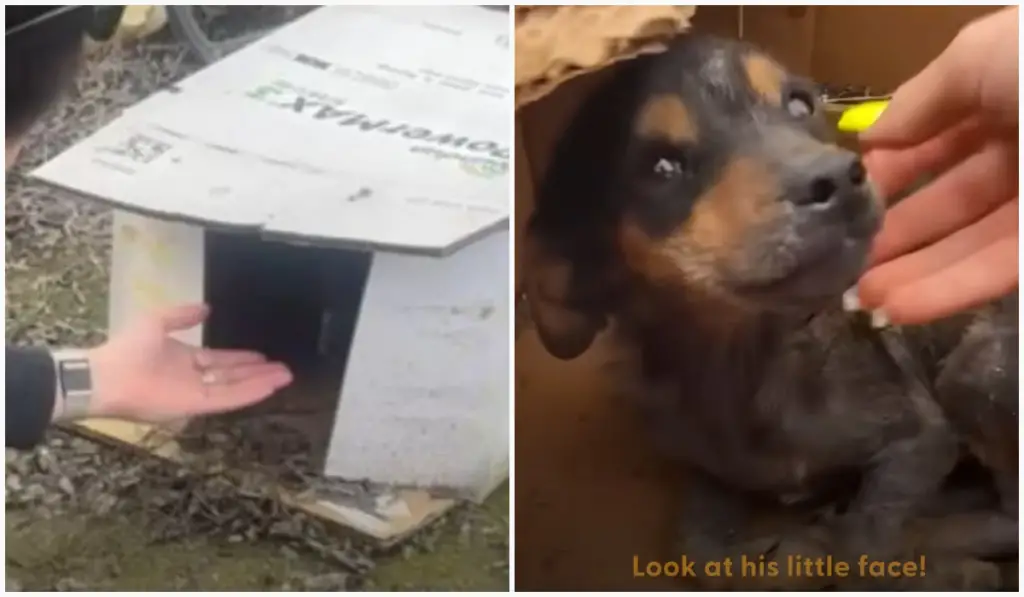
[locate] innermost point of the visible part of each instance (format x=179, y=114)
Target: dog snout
x=830, y=180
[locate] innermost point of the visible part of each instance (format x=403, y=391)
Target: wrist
x=85, y=385
x=73, y=384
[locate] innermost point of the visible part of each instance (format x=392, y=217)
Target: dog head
x=708, y=169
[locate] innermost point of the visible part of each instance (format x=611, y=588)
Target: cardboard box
x=591, y=493
x=873, y=46
x=339, y=192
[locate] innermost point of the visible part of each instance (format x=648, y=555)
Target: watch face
x=75, y=376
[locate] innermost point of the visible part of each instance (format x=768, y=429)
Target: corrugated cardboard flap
x=301, y=135
x=557, y=43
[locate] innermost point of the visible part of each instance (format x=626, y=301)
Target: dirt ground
x=130, y=549
x=81, y=515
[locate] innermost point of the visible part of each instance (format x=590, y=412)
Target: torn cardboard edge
x=396, y=514
x=557, y=43
x=264, y=233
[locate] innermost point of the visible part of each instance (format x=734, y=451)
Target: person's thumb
x=182, y=317
x=935, y=99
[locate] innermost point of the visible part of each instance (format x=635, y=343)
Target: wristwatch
x=74, y=384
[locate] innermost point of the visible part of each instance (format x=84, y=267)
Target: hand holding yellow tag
x=860, y=117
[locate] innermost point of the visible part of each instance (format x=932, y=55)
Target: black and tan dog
x=697, y=207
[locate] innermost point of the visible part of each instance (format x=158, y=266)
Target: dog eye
x=799, y=104
x=667, y=169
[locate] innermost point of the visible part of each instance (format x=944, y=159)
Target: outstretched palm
x=143, y=374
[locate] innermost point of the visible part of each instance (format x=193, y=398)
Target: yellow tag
x=860, y=117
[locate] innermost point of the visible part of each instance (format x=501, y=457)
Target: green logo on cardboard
x=485, y=169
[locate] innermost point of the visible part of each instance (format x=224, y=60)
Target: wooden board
x=397, y=514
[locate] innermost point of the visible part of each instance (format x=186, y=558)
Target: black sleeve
x=31, y=390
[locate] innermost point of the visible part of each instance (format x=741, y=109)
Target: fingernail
x=283, y=377
x=851, y=302
x=879, y=319
x=203, y=359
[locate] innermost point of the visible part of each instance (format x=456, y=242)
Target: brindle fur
x=776, y=397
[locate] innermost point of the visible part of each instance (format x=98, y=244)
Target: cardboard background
x=876, y=46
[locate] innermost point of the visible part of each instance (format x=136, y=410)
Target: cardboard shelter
x=338, y=192
x=592, y=496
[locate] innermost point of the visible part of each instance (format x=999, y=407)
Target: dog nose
x=829, y=178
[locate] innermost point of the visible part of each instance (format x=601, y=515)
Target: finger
x=229, y=375
x=207, y=358
x=959, y=197
x=242, y=393
x=893, y=170
x=877, y=282
x=937, y=97
x=987, y=275
x=183, y=317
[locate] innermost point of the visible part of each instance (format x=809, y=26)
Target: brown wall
x=874, y=46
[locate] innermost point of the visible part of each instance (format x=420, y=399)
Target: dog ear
x=566, y=323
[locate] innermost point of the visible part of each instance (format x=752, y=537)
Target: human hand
x=952, y=244
x=142, y=374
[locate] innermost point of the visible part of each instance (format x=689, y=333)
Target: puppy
x=697, y=203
